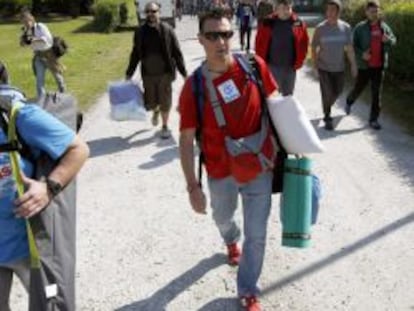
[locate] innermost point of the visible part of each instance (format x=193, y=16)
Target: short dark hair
x=216, y=13
x=284, y=2
x=337, y=3
x=4, y=75
x=372, y=4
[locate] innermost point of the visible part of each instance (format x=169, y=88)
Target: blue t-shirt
x=42, y=132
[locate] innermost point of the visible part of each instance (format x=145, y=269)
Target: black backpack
x=59, y=46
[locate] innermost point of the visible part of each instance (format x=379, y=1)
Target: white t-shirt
x=41, y=32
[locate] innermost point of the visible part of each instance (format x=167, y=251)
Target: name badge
x=229, y=91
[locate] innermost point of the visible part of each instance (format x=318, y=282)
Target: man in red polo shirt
x=282, y=41
x=373, y=39
x=237, y=104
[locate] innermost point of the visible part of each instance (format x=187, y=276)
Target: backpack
x=59, y=46
x=250, y=67
x=51, y=233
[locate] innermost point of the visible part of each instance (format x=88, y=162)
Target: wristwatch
x=54, y=187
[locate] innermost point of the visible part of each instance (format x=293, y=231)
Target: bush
x=123, y=13
x=106, y=15
x=400, y=17
x=12, y=7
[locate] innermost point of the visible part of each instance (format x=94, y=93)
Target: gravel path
x=140, y=247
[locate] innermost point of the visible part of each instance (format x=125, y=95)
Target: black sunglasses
x=151, y=11
x=215, y=35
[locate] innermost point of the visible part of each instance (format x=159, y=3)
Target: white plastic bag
x=127, y=102
x=295, y=131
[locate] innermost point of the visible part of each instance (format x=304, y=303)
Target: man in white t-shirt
x=39, y=38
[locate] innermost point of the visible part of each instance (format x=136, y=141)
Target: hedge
x=106, y=16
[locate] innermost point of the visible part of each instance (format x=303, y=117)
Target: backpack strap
x=256, y=76
x=249, y=144
x=15, y=143
x=14, y=159
x=197, y=87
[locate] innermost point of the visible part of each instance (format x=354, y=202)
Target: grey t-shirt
x=331, y=40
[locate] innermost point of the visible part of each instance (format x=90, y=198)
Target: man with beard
x=157, y=48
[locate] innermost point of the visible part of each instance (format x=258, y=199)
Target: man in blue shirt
x=42, y=133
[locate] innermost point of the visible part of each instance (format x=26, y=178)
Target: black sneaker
x=375, y=125
x=348, y=108
x=329, y=125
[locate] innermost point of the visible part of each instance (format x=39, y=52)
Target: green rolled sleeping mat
x=296, y=203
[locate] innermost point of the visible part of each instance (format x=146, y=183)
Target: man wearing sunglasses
x=233, y=93
x=157, y=48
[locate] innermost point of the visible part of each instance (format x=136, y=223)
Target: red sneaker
x=233, y=254
x=250, y=303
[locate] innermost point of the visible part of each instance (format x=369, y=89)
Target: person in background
x=331, y=40
x=38, y=37
x=245, y=17
x=156, y=46
x=372, y=39
x=282, y=41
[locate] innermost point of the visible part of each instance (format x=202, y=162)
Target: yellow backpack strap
x=14, y=158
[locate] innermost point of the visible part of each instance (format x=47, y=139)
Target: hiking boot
x=250, y=303
x=165, y=132
x=375, y=125
x=329, y=125
x=155, y=117
x=233, y=254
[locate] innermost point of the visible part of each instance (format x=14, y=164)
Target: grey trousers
x=285, y=78
x=332, y=85
x=22, y=269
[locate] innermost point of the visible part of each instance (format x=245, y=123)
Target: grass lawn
x=93, y=58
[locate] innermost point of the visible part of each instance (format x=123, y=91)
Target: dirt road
x=140, y=247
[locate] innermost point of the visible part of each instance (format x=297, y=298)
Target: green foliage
x=11, y=7
x=123, y=13
x=106, y=17
x=400, y=17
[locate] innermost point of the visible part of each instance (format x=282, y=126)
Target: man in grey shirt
x=332, y=39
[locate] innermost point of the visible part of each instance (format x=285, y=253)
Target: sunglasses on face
x=215, y=35
x=151, y=11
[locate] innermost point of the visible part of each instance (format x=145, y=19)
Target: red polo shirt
x=242, y=115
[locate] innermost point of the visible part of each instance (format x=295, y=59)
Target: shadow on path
x=162, y=297
x=343, y=253
x=161, y=158
x=114, y=144
x=222, y=304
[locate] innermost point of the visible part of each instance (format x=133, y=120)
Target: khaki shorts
x=158, y=92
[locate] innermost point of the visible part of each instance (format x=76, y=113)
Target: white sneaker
x=165, y=133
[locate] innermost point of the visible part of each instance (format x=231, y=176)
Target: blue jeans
x=40, y=65
x=256, y=201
